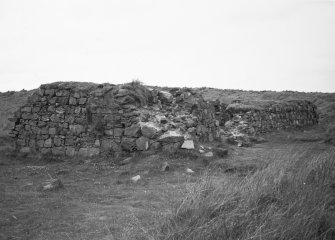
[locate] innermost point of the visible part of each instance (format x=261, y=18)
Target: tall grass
x=330, y=134
x=138, y=92
x=292, y=198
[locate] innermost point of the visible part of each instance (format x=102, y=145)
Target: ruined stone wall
x=88, y=119
x=272, y=116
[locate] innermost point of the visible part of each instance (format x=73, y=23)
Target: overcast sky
x=236, y=44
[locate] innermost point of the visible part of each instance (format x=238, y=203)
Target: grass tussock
x=289, y=199
x=138, y=92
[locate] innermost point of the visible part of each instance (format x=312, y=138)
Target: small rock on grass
x=165, y=167
x=135, y=178
x=126, y=161
x=51, y=185
x=208, y=154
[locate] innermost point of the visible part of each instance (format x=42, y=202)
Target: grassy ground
x=280, y=189
x=254, y=193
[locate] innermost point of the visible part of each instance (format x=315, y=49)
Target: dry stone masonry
x=87, y=119
x=249, y=120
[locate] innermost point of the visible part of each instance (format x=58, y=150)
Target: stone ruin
x=87, y=119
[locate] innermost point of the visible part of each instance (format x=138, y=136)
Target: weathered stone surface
x=142, y=144
x=88, y=152
x=65, y=117
x=165, y=167
x=25, y=150
x=128, y=144
x=165, y=96
x=118, y=132
x=171, y=137
x=133, y=131
x=77, y=129
x=150, y=130
x=58, y=150
x=70, y=151
x=48, y=143
x=188, y=144
x=58, y=141
x=171, y=147
x=208, y=154
x=51, y=185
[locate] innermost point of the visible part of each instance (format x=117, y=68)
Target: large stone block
x=58, y=150
x=150, y=130
x=171, y=137
x=88, y=152
x=142, y=144
x=171, y=147
x=133, y=131
x=188, y=144
x=48, y=143
x=118, y=132
x=70, y=151
x=77, y=129
x=128, y=144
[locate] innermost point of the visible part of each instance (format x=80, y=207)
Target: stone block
x=82, y=101
x=45, y=150
x=171, y=137
x=171, y=147
x=27, y=116
x=58, y=150
x=69, y=141
x=142, y=143
x=70, y=151
x=118, y=132
x=26, y=109
x=133, y=131
x=25, y=150
x=58, y=141
x=109, y=132
x=49, y=92
x=110, y=144
x=48, y=143
x=72, y=101
x=88, y=152
x=128, y=144
x=52, y=131
x=77, y=129
x=40, y=143
x=150, y=130
x=188, y=144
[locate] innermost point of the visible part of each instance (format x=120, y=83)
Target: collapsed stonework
x=87, y=119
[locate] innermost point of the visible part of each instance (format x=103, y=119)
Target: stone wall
x=89, y=119
x=252, y=119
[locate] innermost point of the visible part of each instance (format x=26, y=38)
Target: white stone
x=208, y=154
x=136, y=178
x=188, y=144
